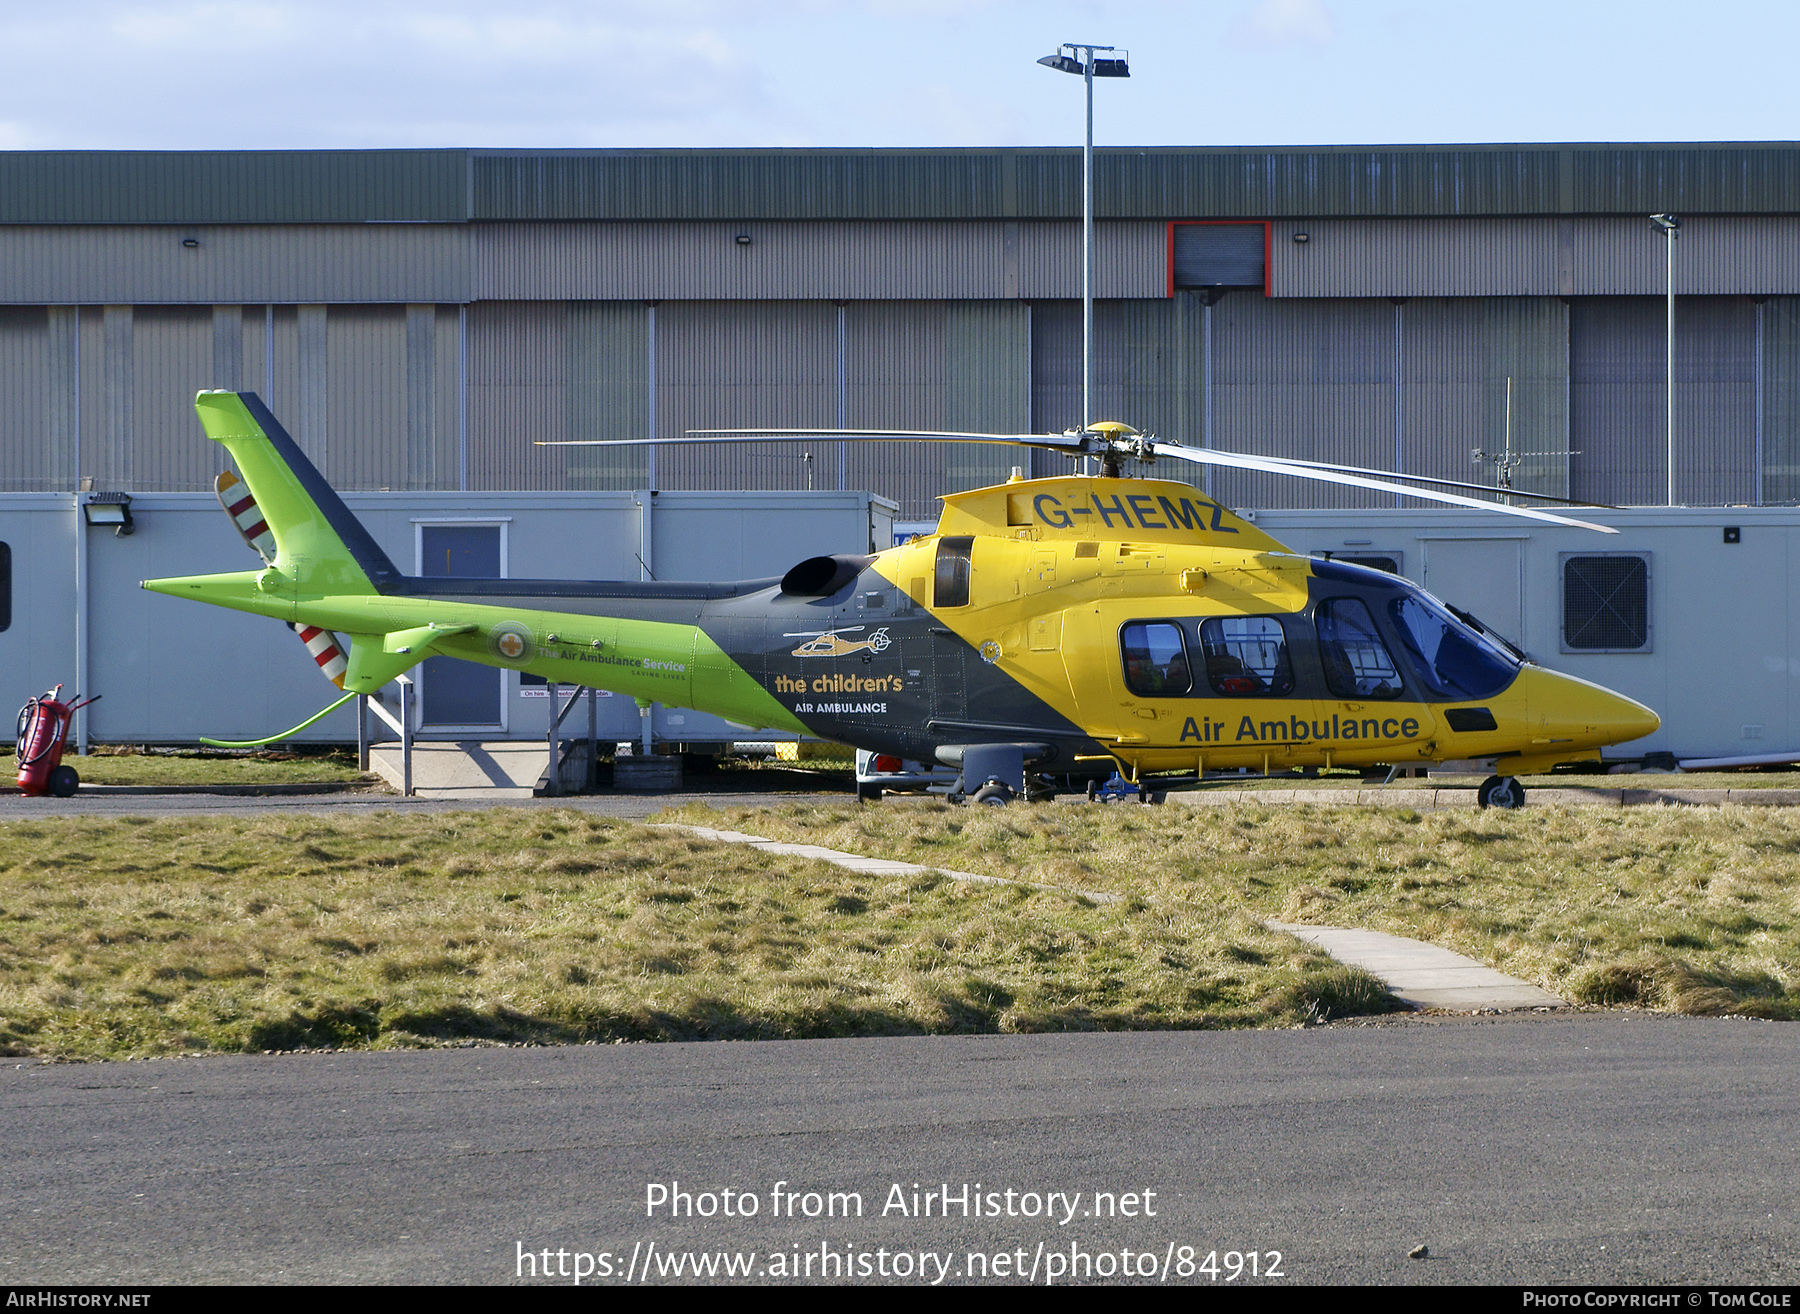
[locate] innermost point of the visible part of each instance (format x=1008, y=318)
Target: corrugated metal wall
x=160, y=444
x=1149, y=371
x=1714, y=256
x=1781, y=400
x=871, y=260
x=94, y=264
x=896, y=373
x=375, y=392
x=736, y=365
x=1618, y=416
x=366, y=395
x=868, y=261
x=518, y=393
x=35, y=383
x=987, y=387
x=1582, y=256
x=1457, y=357
x=705, y=261
x=609, y=393
x=1414, y=257
x=1314, y=381
x=1716, y=372
x=371, y=393
x=1056, y=368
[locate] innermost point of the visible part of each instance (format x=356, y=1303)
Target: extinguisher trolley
x=43, y=734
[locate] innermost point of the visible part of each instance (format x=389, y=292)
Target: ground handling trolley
x=43, y=733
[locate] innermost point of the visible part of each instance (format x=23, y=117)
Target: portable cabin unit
x=1689, y=610
x=71, y=610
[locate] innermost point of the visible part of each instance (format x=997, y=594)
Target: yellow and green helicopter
x=1052, y=632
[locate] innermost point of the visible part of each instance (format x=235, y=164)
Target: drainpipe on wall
x=79, y=502
x=646, y=500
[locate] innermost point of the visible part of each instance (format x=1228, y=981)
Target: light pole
x=1077, y=57
x=1670, y=227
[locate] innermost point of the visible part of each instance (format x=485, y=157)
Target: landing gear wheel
x=994, y=794
x=1501, y=792
x=1093, y=790
x=64, y=782
x=866, y=793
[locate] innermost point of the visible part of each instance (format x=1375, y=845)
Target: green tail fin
x=320, y=545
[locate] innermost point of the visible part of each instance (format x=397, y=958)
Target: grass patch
x=137, y=936
x=1748, y=778
x=125, y=764
x=1694, y=910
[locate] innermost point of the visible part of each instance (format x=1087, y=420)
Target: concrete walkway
x=466, y=770
x=868, y=866
x=1421, y=974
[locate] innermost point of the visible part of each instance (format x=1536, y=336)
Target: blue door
x=459, y=693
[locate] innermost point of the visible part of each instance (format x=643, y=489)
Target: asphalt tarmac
x=1585, y=1148
x=629, y=807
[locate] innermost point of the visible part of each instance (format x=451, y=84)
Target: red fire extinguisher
x=43, y=733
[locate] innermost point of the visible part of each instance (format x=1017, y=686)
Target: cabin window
x=1246, y=656
x=951, y=587
x=1451, y=660
x=1357, y=662
x=1606, y=603
x=1156, y=660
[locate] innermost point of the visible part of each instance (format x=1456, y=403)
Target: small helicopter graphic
x=1051, y=632
x=834, y=644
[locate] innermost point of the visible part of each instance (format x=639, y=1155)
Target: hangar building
x=420, y=318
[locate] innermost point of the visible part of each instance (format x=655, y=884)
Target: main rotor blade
x=1071, y=443
x=1429, y=479
x=1076, y=442
x=1274, y=465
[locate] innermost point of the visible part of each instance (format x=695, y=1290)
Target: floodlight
x=109, y=509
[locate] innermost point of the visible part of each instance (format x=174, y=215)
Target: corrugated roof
x=164, y=187
x=232, y=187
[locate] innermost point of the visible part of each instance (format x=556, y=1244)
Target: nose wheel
x=1501, y=792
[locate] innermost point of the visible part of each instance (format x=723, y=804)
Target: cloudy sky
x=211, y=74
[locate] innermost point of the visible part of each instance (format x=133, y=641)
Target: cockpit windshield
x=1450, y=659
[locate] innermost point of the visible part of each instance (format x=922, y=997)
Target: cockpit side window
x=1156, y=660
x=950, y=588
x=1450, y=659
x=1246, y=656
x=1357, y=662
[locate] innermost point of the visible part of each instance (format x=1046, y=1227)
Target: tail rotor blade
x=323, y=647
x=246, y=516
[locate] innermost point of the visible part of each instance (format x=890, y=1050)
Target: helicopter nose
x=1570, y=709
